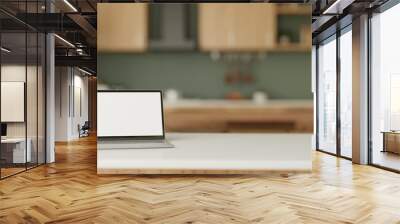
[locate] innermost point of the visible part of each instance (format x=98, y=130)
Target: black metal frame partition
x=27, y=29
x=381, y=9
x=338, y=32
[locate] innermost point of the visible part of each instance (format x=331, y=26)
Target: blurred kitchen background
x=222, y=67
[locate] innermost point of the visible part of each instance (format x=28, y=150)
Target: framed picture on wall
x=12, y=101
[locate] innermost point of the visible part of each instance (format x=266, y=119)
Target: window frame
x=381, y=9
x=337, y=35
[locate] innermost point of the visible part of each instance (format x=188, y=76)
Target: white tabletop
x=216, y=152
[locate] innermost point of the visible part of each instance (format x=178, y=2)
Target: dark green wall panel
x=281, y=75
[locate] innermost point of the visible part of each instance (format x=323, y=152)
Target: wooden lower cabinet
x=239, y=120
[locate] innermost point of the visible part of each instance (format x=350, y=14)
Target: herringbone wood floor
x=69, y=191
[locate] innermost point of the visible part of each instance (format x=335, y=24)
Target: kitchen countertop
x=211, y=103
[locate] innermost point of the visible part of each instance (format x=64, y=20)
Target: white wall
x=62, y=81
x=79, y=117
x=12, y=73
x=70, y=83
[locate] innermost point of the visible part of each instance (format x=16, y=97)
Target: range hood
x=173, y=28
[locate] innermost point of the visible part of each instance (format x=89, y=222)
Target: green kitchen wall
x=196, y=75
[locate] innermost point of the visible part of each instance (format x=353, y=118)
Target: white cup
x=260, y=97
x=171, y=95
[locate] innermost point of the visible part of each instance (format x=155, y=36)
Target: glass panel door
x=14, y=153
x=346, y=93
x=327, y=96
x=22, y=77
x=32, y=98
x=385, y=89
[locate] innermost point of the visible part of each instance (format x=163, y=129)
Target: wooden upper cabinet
x=122, y=27
x=237, y=26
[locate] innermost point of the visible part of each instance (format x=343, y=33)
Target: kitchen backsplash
x=197, y=75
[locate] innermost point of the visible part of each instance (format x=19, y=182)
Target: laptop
x=130, y=119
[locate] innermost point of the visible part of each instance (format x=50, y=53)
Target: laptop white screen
x=129, y=114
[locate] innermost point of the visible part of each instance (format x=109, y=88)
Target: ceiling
x=71, y=20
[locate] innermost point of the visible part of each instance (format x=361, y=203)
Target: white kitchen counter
x=212, y=153
x=205, y=103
